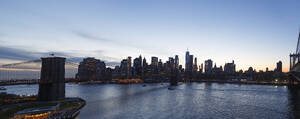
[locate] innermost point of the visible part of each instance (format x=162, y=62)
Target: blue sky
x=255, y=33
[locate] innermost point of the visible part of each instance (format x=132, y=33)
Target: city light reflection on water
x=195, y=100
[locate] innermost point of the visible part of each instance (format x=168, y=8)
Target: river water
x=187, y=101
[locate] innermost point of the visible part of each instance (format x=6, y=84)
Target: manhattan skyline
x=253, y=33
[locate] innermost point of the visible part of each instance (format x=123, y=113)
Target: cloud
x=2, y=35
x=19, y=54
x=100, y=54
x=112, y=63
x=75, y=59
x=89, y=36
x=44, y=54
x=80, y=59
x=13, y=53
x=136, y=44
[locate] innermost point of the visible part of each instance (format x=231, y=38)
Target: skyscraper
x=154, y=65
x=201, y=68
x=172, y=63
x=187, y=56
x=190, y=64
x=279, y=66
x=208, y=66
x=176, y=61
x=145, y=64
x=90, y=69
x=101, y=71
x=124, y=68
x=195, y=66
x=217, y=70
x=229, y=68
x=129, y=66
x=160, y=66
x=145, y=68
x=137, y=66
x=154, y=61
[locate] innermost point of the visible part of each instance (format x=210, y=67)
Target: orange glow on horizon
x=285, y=70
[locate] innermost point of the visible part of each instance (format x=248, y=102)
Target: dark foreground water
x=187, y=101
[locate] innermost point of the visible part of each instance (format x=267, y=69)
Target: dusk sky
x=255, y=33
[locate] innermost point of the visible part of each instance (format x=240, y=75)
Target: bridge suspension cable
x=31, y=70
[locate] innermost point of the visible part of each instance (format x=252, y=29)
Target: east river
x=187, y=101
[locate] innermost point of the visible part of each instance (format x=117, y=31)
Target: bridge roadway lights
x=52, y=80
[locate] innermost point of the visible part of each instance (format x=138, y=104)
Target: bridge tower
x=295, y=57
x=52, y=80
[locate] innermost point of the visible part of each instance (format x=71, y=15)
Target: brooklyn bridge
x=294, y=63
x=28, y=72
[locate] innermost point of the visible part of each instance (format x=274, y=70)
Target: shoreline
x=65, y=108
x=201, y=81
x=8, y=83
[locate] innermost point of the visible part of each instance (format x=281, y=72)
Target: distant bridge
x=30, y=71
x=70, y=63
x=29, y=81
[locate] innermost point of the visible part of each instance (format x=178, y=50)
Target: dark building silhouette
x=172, y=63
x=187, y=60
x=229, y=68
x=208, y=66
x=195, y=65
x=250, y=70
x=201, y=68
x=137, y=66
x=154, y=65
x=217, y=70
x=160, y=67
x=52, y=81
x=91, y=69
x=124, y=70
x=176, y=62
x=116, y=72
x=172, y=71
x=145, y=68
x=180, y=68
x=279, y=67
x=129, y=68
x=154, y=61
x=188, y=65
x=102, y=73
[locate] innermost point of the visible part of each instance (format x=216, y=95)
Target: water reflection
x=193, y=100
x=294, y=102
